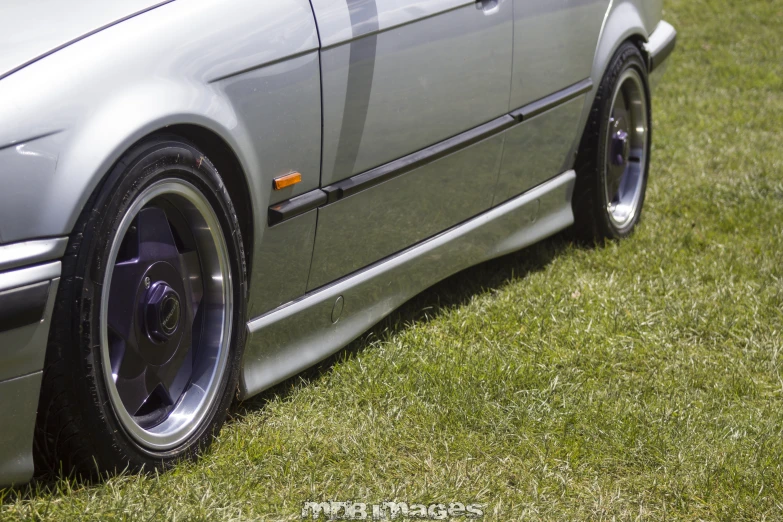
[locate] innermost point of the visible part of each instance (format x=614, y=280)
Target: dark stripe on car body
x=361, y=69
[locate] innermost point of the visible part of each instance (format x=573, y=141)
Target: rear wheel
x=144, y=350
x=614, y=155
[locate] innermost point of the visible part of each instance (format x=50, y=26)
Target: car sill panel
x=297, y=335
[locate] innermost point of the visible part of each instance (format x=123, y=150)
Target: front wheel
x=144, y=351
x=614, y=156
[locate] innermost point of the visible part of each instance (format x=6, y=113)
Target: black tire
x=592, y=219
x=78, y=430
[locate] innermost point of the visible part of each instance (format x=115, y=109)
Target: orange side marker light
x=287, y=180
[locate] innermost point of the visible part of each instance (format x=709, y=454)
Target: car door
x=554, y=47
x=400, y=78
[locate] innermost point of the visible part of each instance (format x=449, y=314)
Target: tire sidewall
x=145, y=165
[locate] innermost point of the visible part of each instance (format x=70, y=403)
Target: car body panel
x=30, y=30
x=282, y=263
x=272, y=97
x=554, y=44
x=373, y=224
x=31, y=252
x=22, y=352
x=129, y=91
x=282, y=108
x=397, y=65
x=538, y=149
x=18, y=408
x=304, y=332
x=402, y=62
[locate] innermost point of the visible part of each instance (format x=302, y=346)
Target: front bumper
x=659, y=47
x=29, y=276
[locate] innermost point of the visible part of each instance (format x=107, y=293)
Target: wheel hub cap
x=163, y=310
x=620, y=148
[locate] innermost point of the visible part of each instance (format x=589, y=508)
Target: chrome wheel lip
x=192, y=408
x=624, y=204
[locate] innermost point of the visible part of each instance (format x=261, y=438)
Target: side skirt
x=299, y=334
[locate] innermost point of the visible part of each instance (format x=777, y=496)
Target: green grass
x=639, y=380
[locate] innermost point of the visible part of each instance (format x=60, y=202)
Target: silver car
x=202, y=198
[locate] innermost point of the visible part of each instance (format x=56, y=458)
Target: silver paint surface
x=282, y=264
x=375, y=223
x=18, y=409
x=282, y=109
x=29, y=30
x=538, y=149
x=658, y=39
x=22, y=349
x=30, y=252
x=160, y=68
x=554, y=44
x=22, y=353
x=296, y=336
x=29, y=275
x=443, y=64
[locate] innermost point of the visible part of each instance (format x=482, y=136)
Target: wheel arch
x=94, y=148
x=231, y=172
x=624, y=22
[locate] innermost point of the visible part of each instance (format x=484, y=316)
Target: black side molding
x=553, y=100
x=346, y=187
x=410, y=162
x=296, y=206
x=663, y=52
x=22, y=306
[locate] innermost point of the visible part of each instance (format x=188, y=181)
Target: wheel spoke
x=614, y=181
x=192, y=280
x=630, y=179
x=622, y=108
x=156, y=240
x=133, y=382
x=125, y=281
x=175, y=374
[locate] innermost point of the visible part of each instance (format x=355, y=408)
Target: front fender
x=51, y=178
x=67, y=118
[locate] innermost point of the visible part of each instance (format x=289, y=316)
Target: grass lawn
x=638, y=380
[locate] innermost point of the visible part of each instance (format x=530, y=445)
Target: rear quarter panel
x=624, y=20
